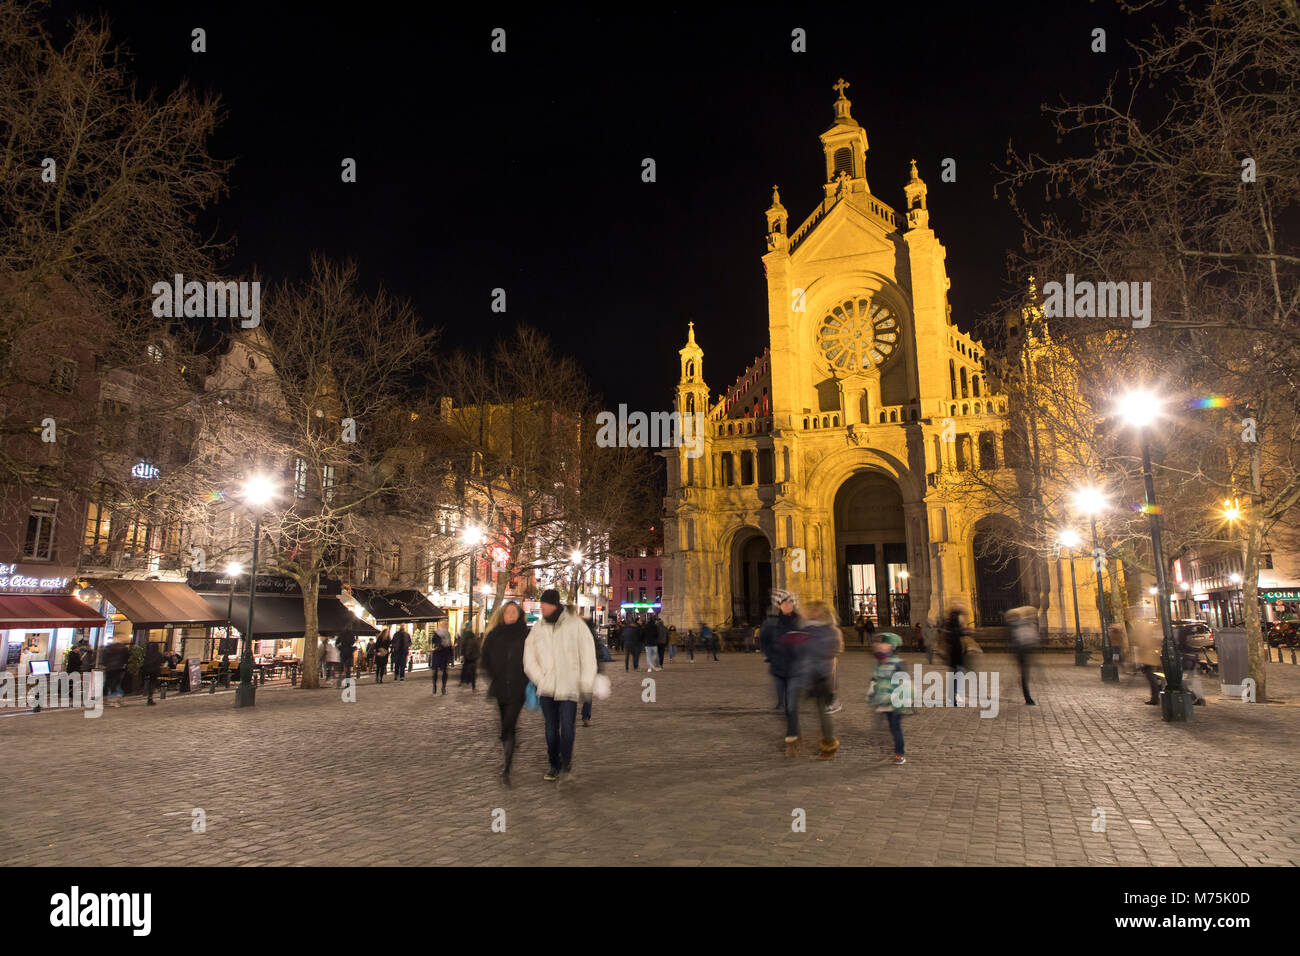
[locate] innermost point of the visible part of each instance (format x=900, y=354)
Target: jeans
x=793, y=691
x=690, y=649
x=113, y=680
x=559, y=716
x=954, y=678
x=652, y=656
x=399, y=667
x=782, y=688
x=586, y=709
x=672, y=652
x=1022, y=657
x=896, y=730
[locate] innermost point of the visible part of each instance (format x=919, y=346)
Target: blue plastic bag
x=530, y=697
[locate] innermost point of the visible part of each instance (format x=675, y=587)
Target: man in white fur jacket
x=560, y=658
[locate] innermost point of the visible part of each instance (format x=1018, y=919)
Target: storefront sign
x=13, y=579
x=210, y=582
x=144, y=470
x=1279, y=594
x=195, y=666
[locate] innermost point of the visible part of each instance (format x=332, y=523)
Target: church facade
x=820, y=470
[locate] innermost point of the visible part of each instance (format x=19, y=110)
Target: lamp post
x=233, y=570
x=1140, y=409
x=1090, y=501
x=258, y=493
x=472, y=537
x=576, y=559
x=1070, y=539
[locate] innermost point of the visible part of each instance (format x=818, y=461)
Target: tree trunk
x=311, y=634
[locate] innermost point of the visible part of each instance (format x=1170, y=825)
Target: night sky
x=523, y=170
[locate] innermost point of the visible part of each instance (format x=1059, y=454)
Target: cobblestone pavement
x=696, y=777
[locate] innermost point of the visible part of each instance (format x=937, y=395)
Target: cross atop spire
x=841, y=86
x=842, y=115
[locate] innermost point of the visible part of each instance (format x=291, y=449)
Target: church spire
x=777, y=219
x=842, y=115
x=845, y=146
x=918, y=217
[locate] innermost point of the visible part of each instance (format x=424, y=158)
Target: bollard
x=212, y=685
x=1279, y=655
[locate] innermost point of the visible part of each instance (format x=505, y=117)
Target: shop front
x=169, y=613
x=279, y=623
x=40, y=618
x=394, y=608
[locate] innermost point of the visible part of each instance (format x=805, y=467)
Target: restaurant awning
x=157, y=603
x=46, y=610
x=392, y=606
x=278, y=615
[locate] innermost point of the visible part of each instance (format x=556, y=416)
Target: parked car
x=1201, y=634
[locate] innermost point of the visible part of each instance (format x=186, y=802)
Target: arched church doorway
x=751, y=577
x=871, y=551
x=1000, y=569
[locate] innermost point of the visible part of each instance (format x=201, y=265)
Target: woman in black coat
x=502, y=660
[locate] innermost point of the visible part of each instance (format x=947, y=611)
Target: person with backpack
x=440, y=655
x=381, y=651
x=887, y=696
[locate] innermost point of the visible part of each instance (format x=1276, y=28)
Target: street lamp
x=233, y=570
x=472, y=538
x=1090, y=501
x=258, y=493
x=576, y=559
x=1140, y=409
x=1069, y=539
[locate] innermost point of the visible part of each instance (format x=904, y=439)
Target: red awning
x=46, y=610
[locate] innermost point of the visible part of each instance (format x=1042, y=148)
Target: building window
x=659, y=574
x=659, y=595
x=136, y=543
x=327, y=483
x=641, y=595
x=39, y=542
x=299, y=478
x=641, y=574
x=963, y=452
x=98, y=523
x=629, y=596
x=965, y=388
x=988, y=451
x=843, y=162
x=746, y=467
x=1266, y=560
x=1013, y=449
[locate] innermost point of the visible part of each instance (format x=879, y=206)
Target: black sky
x=523, y=170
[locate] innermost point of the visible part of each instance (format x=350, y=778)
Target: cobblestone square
x=697, y=777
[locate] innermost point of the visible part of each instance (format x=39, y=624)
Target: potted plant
x=133, y=664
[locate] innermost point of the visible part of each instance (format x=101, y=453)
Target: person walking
x=72, y=660
x=382, y=648
x=600, y=669
x=440, y=655
x=347, y=645
x=1147, y=641
x=502, y=659
x=1024, y=636
x=781, y=621
x=331, y=658
x=955, y=632
x=815, y=670
x=469, y=651
x=661, y=634
x=152, y=669
x=560, y=659
x=710, y=640
x=401, y=649
x=631, y=638
x=650, y=641
x=690, y=644
x=861, y=625
x=1191, y=672
x=674, y=642
x=888, y=697
x=116, y=656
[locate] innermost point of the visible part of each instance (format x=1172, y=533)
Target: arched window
x=835, y=421
x=952, y=379
x=975, y=385
x=805, y=423
x=814, y=421
x=883, y=418
x=965, y=409
x=964, y=390
x=825, y=422
x=690, y=404
x=690, y=371
x=893, y=416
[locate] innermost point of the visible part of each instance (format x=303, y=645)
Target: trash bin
x=1234, y=661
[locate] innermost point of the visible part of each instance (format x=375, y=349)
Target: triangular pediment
x=844, y=231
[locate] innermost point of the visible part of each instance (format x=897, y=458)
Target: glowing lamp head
x=234, y=568
x=903, y=574
x=576, y=557
x=1153, y=590
x=1089, y=500
x=1138, y=409
x=1069, y=538
x=1235, y=578
x=258, y=491
x=472, y=537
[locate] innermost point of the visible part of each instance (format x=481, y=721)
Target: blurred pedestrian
x=347, y=650
x=710, y=639
x=690, y=644
x=782, y=620
x=674, y=642
x=650, y=641
x=440, y=654
x=560, y=659
x=116, y=656
x=503, y=666
x=955, y=632
x=1191, y=669
x=600, y=670
x=661, y=638
x=889, y=697
x=401, y=649
x=813, y=665
x=631, y=638
x=1024, y=637
x=1146, y=644
x=469, y=651
x=152, y=669
x=381, y=652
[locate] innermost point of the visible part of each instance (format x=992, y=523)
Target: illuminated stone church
x=819, y=470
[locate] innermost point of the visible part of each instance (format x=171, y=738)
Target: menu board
x=195, y=667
